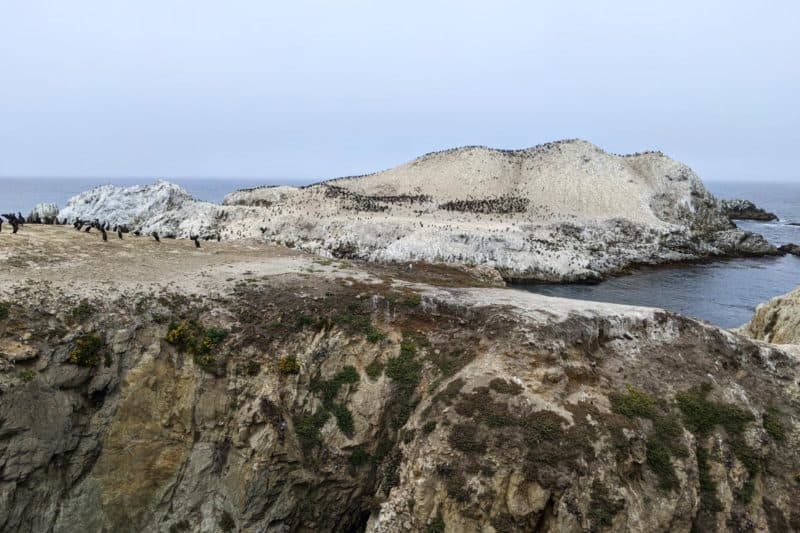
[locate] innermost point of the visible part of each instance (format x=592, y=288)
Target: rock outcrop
x=777, y=321
x=746, y=210
x=241, y=389
x=790, y=248
x=564, y=211
x=43, y=213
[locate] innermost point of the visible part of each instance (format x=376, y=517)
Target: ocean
x=724, y=293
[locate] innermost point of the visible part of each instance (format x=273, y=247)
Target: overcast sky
x=315, y=89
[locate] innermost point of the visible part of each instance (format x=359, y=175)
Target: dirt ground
x=81, y=264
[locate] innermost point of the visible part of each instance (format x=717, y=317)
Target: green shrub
x=288, y=365
x=27, y=375
x=412, y=299
x=465, y=438
x=702, y=414
x=5, y=308
x=405, y=372
x=344, y=419
x=660, y=462
x=87, y=350
x=633, y=403
x=358, y=457
x=428, y=427
x=81, y=312
x=708, y=491
x=252, y=368
x=308, y=428
x=505, y=387
x=603, y=509
x=773, y=425
x=374, y=369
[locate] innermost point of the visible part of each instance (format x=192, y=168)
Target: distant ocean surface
x=22, y=194
x=722, y=292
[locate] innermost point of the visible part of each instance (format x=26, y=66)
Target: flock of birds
x=17, y=221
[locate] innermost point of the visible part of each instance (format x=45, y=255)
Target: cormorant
x=88, y=229
x=137, y=233
x=196, y=239
x=119, y=233
x=105, y=235
x=155, y=236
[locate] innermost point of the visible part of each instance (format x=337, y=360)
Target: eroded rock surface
x=560, y=211
x=332, y=396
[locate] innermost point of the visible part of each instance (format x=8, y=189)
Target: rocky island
x=563, y=211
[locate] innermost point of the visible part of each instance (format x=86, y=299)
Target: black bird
x=105, y=235
x=88, y=229
x=263, y=230
x=218, y=238
x=119, y=233
x=15, y=225
x=155, y=236
x=137, y=233
x=196, y=240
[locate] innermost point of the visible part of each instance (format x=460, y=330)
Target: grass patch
x=87, y=350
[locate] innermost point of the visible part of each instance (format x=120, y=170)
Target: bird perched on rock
x=119, y=233
x=105, y=235
x=196, y=239
x=155, y=236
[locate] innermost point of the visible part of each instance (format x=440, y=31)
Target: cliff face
x=777, y=321
x=244, y=388
x=561, y=211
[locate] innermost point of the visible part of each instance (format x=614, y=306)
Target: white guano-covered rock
x=560, y=211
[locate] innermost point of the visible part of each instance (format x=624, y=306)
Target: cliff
x=777, y=321
x=242, y=387
x=564, y=211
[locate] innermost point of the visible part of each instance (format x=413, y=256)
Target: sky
x=304, y=90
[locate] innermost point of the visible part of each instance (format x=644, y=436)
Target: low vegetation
x=87, y=350
x=191, y=337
